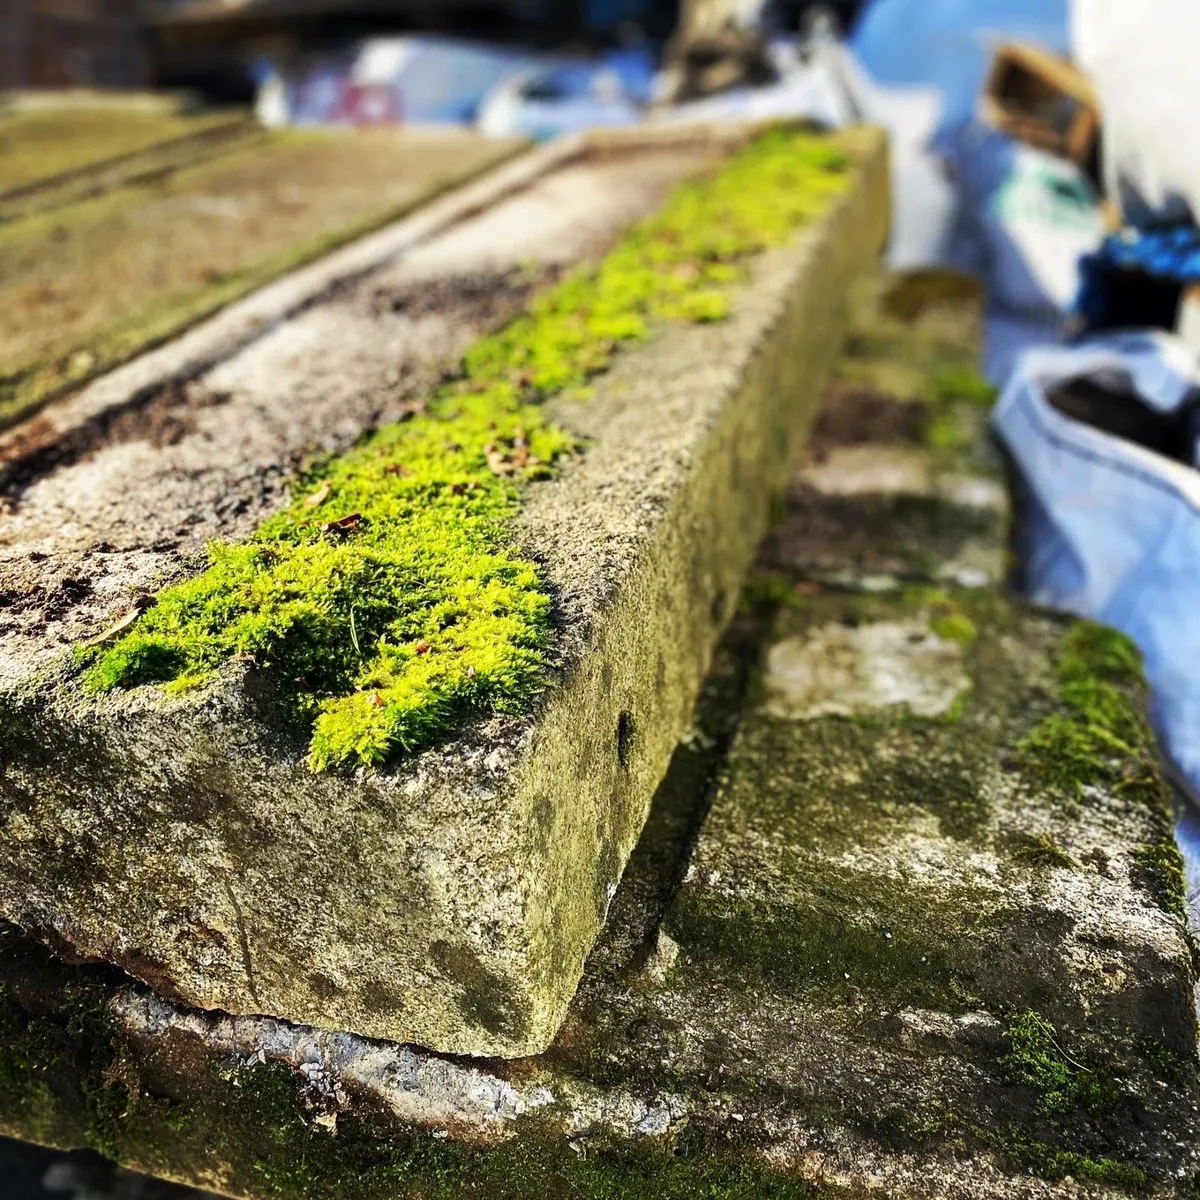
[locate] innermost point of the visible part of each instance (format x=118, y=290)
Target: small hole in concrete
x=718, y=606
x=624, y=739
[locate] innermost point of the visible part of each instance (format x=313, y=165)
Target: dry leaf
x=343, y=525
x=137, y=606
x=497, y=463
x=414, y=408
x=319, y=496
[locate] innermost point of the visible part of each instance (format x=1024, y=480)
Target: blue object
x=947, y=43
x=1111, y=530
x=1170, y=256
x=603, y=16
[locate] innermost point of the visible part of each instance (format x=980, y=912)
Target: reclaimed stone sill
x=450, y=900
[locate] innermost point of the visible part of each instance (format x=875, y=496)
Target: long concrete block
x=887, y=933
x=448, y=899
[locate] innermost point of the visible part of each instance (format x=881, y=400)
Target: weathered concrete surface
x=91, y=280
x=883, y=954
x=449, y=900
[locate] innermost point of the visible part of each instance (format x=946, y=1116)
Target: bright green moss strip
x=387, y=600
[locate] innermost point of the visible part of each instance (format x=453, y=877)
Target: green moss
x=956, y=627
x=1101, y=735
x=1166, y=1064
x=258, y=1123
x=535, y=1163
x=1043, y=851
x=1036, y=1060
x=945, y=432
x=951, y=382
x=1024, y=1145
x=770, y=589
x=26, y=1098
x=954, y=394
x=387, y=601
x=1159, y=865
x=840, y=931
x=70, y=1077
x=1057, y=1164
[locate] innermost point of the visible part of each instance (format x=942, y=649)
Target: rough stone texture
x=817, y=977
x=451, y=899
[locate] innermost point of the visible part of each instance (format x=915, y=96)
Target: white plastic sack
x=555, y=98
x=1007, y=336
x=1112, y=530
x=1033, y=216
x=925, y=210
x=1142, y=60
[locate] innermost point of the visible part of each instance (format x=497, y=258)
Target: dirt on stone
x=854, y=415
x=42, y=145
x=86, y=286
x=163, y=416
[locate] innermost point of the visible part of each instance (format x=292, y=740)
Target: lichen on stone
x=387, y=600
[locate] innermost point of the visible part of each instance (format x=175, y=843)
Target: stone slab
x=875, y=954
x=449, y=900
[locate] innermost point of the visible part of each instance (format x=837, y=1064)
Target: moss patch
x=955, y=627
x=1101, y=735
x=819, y=945
x=1036, y=1060
x=1043, y=850
x=387, y=600
x=178, y=1109
x=1158, y=865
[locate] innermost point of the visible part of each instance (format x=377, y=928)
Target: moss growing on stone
x=387, y=600
x=956, y=627
x=1100, y=736
x=1036, y=1060
x=1044, y=851
x=1058, y=1164
x=1023, y=1145
x=952, y=381
x=253, y=1129
x=1160, y=867
x=769, y=590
